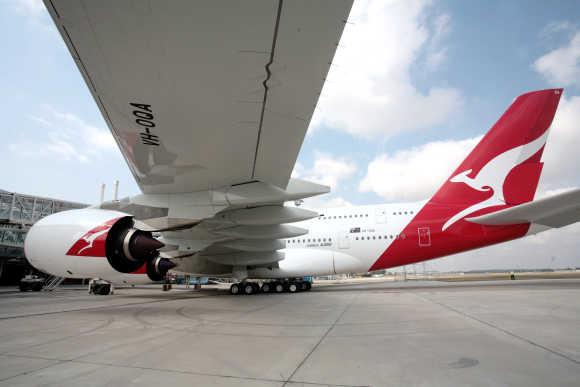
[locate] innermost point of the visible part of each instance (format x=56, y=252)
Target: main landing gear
x=276, y=286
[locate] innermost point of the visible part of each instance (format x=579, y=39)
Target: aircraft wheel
x=278, y=287
x=292, y=287
x=248, y=288
x=235, y=289
x=266, y=288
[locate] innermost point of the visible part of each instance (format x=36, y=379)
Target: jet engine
x=158, y=267
x=127, y=248
x=84, y=243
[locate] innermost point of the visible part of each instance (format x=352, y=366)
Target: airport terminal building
x=17, y=213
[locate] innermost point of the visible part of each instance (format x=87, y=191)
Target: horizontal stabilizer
x=554, y=211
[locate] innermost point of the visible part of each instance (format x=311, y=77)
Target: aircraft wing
x=554, y=211
x=204, y=94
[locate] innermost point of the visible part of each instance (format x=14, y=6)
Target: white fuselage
x=343, y=240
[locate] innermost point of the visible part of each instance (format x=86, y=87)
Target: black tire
x=292, y=287
x=235, y=289
x=37, y=288
x=278, y=287
x=248, y=289
x=102, y=289
x=266, y=288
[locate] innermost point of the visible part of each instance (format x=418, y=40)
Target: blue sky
x=486, y=53
x=413, y=85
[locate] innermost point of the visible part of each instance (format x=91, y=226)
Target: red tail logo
x=493, y=175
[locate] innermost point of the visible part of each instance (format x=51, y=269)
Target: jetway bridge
x=17, y=213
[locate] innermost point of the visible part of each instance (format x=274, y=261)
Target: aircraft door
x=424, y=234
x=343, y=240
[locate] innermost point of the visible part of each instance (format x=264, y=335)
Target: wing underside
x=204, y=94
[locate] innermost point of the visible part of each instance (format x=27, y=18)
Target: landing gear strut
x=290, y=285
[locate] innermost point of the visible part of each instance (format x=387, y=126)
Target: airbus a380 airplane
x=209, y=103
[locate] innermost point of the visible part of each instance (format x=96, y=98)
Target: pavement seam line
x=62, y=361
x=106, y=307
x=491, y=325
x=319, y=342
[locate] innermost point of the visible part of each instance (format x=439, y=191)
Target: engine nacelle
x=83, y=243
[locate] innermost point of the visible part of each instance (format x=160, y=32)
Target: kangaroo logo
x=90, y=239
x=92, y=243
x=492, y=176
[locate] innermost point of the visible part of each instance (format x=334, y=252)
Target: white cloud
x=68, y=138
x=415, y=174
x=556, y=27
x=562, y=65
x=369, y=91
x=326, y=170
x=30, y=8
x=36, y=15
x=437, y=51
x=561, y=157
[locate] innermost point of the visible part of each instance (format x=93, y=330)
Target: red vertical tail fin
x=501, y=171
x=504, y=168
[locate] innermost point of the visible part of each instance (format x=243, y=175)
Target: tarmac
x=517, y=333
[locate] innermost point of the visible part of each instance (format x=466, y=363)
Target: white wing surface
x=204, y=94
